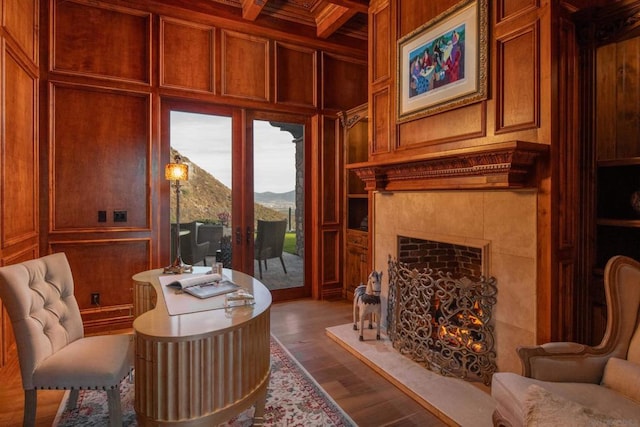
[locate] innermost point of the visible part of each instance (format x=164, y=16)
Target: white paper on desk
x=178, y=302
x=186, y=280
x=205, y=285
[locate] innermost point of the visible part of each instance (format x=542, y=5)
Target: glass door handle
x=249, y=235
x=238, y=236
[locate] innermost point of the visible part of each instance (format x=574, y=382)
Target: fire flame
x=460, y=337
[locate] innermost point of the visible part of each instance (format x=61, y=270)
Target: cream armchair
x=52, y=349
x=603, y=379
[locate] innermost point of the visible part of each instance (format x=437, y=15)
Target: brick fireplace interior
x=459, y=260
x=501, y=224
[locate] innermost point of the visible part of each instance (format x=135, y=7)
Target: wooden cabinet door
x=356, y=261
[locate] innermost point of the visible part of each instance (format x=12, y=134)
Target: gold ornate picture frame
x=443, y=64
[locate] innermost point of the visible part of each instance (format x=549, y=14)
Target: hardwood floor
x=369, y=399
x=12, y=399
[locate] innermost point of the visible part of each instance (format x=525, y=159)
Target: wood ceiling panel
x=326, y=16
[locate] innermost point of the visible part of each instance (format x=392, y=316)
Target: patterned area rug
x=294, y=398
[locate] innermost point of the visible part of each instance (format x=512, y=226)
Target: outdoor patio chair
x=270, y=242
x=191, y=251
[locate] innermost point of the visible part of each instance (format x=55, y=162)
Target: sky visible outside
x=206, y=141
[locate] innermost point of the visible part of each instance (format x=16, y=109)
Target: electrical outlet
x=119, y=216
x=95, y=298
x=102, y=216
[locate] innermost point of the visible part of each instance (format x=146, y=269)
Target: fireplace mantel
x=494, y=166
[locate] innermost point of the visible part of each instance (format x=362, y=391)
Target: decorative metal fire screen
x=442, y=322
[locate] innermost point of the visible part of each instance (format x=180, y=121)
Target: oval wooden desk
x=200, y=368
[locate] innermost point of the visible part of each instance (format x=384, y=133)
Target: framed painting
x=443, y=64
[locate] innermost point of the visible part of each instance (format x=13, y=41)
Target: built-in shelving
x=354, y=125
x=617, y=222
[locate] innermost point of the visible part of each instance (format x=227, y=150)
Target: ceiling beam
x=252, y=8
x=331, y=18
x=361, y=6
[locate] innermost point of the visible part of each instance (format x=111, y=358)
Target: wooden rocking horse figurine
x=366, y=303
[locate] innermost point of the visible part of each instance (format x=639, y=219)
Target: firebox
x=439, y=310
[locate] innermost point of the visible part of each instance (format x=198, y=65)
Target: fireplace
x=439, y=310
x=501, y=225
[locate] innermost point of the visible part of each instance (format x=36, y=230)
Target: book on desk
x=205, y=285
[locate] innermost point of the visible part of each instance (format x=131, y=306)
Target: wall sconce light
x=177, y=172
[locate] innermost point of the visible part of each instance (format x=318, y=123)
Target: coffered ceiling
x=346, y=17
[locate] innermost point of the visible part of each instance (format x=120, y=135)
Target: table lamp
x=177, y=172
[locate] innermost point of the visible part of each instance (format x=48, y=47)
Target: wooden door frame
x=242, y=183
x=163, y=215
x=304, y=120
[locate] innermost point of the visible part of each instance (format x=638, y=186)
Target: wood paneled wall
x=89, y=139
x=105, y=88
x=19, y=159
x=530, y=65
x=519, y=80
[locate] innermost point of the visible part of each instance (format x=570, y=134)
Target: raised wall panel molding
x=344, y=81
x=380, y=126
x=435, y=132
x=329, y=173
x=24, y=254
x=248, y=75
x=20, y=21
x=104, y=267
x=186, y=55
x=99, y=40
x=331, y=264
x=19, y=147
x=510, y=9
x=106, y=124
x=518, y=87
x=500, y=165
x=100, y=319
x=380, y=32
x=296, y=69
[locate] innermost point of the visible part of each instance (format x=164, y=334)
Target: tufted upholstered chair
x=52, y=349
x=601, y=377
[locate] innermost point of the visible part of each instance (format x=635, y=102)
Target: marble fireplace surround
x=485, y=197
x=482, y=196
x=502, y=222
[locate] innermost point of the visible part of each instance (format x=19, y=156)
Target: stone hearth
x=454, y=401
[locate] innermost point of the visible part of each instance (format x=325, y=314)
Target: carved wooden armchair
x=603, y=378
